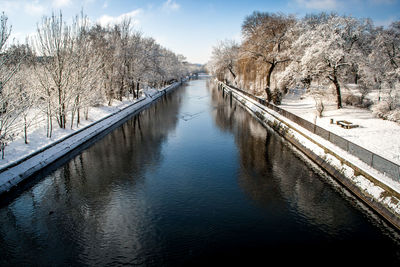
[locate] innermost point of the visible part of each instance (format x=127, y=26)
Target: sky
x=187, y=27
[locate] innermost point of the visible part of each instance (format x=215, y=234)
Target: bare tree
x=224, y=59
x=330, y=49
x=86, y=73
x=266, y=41
x=21, y=85
x=76, y=66
x=55, y=44
x=10, y=108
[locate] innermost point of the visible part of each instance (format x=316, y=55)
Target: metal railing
x=377, y=162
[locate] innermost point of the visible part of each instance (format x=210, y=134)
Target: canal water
x=192, y=180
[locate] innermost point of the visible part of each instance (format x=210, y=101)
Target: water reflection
x=89, y=208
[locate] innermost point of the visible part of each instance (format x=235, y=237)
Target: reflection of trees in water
x=271, y=174
x=125, y=152
x=97, y=187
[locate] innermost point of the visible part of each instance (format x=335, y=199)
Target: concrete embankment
x=16, y=172
x=364, y=182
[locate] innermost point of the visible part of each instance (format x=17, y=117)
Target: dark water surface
x=192, y=180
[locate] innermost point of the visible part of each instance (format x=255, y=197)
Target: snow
x=150, y=92
x=377, y=135
x=37, y=133
x=100, y=118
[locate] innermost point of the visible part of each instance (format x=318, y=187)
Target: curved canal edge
x=15, y=173
x=346, y=169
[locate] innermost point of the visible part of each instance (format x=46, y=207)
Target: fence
x=377, y=162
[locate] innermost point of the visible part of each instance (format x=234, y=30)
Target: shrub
x=277, y=97
x=383, y=110
x=319, y=106
x=394, y=115
x=367, y=103
x=352, y=100
x=380, y=109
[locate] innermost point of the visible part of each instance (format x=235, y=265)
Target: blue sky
x=187, y=27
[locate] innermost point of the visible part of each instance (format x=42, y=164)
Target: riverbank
x=376, y=189
x=24, y=161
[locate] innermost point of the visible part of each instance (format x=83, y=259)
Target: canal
x=192, y=180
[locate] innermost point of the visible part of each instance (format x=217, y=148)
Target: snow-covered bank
x=25, y=160
x=377, y=135
x=374, y=188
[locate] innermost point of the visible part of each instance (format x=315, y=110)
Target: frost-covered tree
x=330, y=49
x=85, y=86
x=74, y=66
x=55, y=44
x=10, y=105
x=122, y=56
x=385, y=61
x=266, y=41
x=21, y=86
x=135, y=63
x=102, y=46
x=317, y=52
x=5, y=72
x=224, y=60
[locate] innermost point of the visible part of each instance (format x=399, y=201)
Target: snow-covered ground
x=17, y=149
x=37, y=139
x=377, y=135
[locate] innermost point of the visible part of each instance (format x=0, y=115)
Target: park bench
x=346, y=124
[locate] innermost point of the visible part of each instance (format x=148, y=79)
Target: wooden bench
x=346, y=124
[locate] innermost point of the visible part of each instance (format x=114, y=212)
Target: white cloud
x=34, y=8
x=61, y=3
x=9, y=6
x=382, y=2
x=171, y=5
x=109, y=20
x=319, y=4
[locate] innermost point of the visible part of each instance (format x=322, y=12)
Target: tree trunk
x=72, y=117
x=132, y=89
x=338, y=92
x=137, y=90
x=25, y=130
x=109, y=94
x=64, y=116
x=268, y=88
x=233, y=74
x=50, y=125
x=60, y=118
x=121, y=90
x=49, y=120
x=2, y=147
x=78, y=117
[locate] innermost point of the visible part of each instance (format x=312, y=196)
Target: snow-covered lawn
x=377, y=135
x=17, y=149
